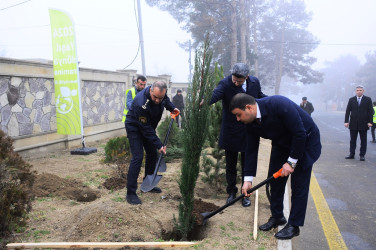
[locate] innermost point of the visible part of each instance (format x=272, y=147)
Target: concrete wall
x=28, y=109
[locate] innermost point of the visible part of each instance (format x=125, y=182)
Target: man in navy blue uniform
x=232, y=138
x=295, y=147
x=142, y=120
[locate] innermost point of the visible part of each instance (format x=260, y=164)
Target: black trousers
x=363, y=141
x=231, y=173
x=300, y=181
x=137, y=144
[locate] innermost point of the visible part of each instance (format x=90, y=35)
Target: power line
x=138, y=29
x=14, y=5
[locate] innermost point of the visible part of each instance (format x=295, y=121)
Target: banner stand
x=67, y=78
x=84, y=150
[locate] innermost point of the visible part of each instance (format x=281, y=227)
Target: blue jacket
x=144, y=115
x=232, y=132
x=287, y=126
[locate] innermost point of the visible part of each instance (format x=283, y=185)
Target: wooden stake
x=255, y=217
x=100, y=244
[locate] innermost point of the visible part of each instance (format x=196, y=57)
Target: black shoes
x=230, y=197
x=287, y=232
x=373, y=141
x=156, y=190
x=246, y=202
x=349, y=157
x=133, y=199
x=273, y=223
x=362, y=158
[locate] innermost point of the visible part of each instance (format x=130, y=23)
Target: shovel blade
x=150, y=182
x=204, y=217
x=162, y=166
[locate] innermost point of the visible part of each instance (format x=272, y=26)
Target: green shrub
x=174, y=138
x=174, y=142
x=16, y=181
x=116, y=149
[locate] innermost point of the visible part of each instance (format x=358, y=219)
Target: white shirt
x=258, y=116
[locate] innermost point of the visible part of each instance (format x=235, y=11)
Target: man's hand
x=286, y=170
x=162, y=150
x=369, y=125
x=175, y=113
x=346, y=125
x=201, y=103
x=246, y=186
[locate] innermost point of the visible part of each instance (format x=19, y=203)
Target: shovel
x=151, y=181
x=207, y=215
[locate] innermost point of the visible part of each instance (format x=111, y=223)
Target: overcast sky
x=107, y=37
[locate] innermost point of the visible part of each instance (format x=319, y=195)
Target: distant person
x=296, y=145
x=374, y=123
x=231, y=137
x=359, y=110
x=178, y=101
x=307, y=106
x=131, y=93
x=142, y=120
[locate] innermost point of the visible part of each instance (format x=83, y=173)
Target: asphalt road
x=349, y=188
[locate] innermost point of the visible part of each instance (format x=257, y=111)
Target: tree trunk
x=255, y=39
x=243, y=24
x=234, y=48
x=280, y=64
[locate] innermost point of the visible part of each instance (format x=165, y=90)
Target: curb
x=285, y=244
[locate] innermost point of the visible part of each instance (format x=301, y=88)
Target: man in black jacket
x=178, y=101
x=307, y=106
x=360, y=111
x=231, y=137
x=142, y=120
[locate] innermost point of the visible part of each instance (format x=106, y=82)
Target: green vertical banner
x=66, y=74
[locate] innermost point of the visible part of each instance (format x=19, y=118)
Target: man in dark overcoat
x=232, y=138
x=359, y=110
x=295, y=147
x=307, y=106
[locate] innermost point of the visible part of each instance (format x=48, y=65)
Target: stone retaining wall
x=28, y=111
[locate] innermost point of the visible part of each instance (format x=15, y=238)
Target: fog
x=107, y=38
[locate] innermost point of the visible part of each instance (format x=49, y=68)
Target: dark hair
x=304, y=98
x=142, y=78
x=161, y=85
x=240, y=100
x=179, y=91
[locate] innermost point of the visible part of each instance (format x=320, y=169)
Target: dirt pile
x=52, y=185
x=79, y=199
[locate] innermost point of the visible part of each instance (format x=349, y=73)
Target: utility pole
x=141, y=37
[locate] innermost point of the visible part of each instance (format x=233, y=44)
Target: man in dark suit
x=359, y=109
x=295, y=147
x=231, y=137
x=307, y=106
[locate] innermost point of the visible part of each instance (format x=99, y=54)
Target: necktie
x=258, y=120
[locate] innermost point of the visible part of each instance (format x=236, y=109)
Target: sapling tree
x=194, y=133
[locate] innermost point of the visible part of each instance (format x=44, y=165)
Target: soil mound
x=52, y=185
x=115, y=183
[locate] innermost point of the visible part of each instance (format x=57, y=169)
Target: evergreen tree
x=194, y=134
x=214, y=165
